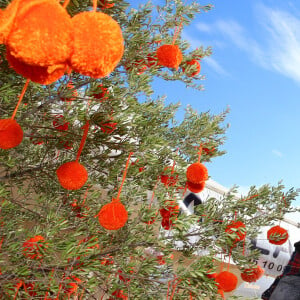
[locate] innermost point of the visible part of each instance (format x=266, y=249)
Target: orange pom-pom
x=72, y=286
x=42, y=34
x=253, y=274
x=196, y=65
x=277, y=235
x=41, y=75
x=227, y=281
x=196, y=187
x=241, y=234
x=72, y=175
x=98, y=44
x=196, y=173
x=31, y=247
x=11, y=133
x=113, y=215
x=169, y=56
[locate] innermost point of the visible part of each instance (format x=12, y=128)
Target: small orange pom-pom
x=98, y=44
x=11, y=133
x=196, y=65
x=72, y=286
x=196, y=173
x=241, y=234
x=72, y=175
x=113, y=215
x=42, y=34
x=277, y=235
x=227, y=281
x=195, y=187
x=169, y=56
x=31, y=247
x=41, y=75
x=253, y=274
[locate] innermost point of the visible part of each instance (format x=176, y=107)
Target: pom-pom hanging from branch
x=195, y=63
x=105, y=35
x=113, y=215
x=169, y=56
x=237, y=228
x=277, y=235
x=31, y=247
x=227, y=281
x=196, y=187
x=42, y=34
x=253, y=274
x=73, y=175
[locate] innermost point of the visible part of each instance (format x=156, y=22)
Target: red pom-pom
x=227, y=281
x=168, y=180
x=169, y=56
x=194, y=63
x=196, y=173
x=277, y=235
x=31, y=247
x=42, y=34
x=195, y=187
x=11, y=133
x=253, y=274
x=72, y=286
x=41, y=75
x=98, y=44
x=72, y=175
x=113, y=216
x=59, y=123
x=241, y=234
x=108, y=127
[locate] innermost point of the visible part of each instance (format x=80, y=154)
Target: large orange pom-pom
x=113, y=215
x=72, y=175
x=169, y=56
x=277, y=235
x=196, y=173
x=196, y=187
x=195, y=63
x=11, y=133
x=42, y=34
x=31, y=247
x=253, y=274
x=227, y=281
x=237, y=228
x=98, y=44
x=41, y=75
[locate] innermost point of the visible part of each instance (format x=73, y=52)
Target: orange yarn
x=113, y=215
x=169, y=56
x=72, y=175
x=31, y=247
x=277, y=235
x=11, y=133
x=41, y=75
x=196, y=65
x=227, y=281
x=237, y=225
x=42, y=34
x=196, y=173
x=253, y=274
x=98, y=44
x=195, y=187
x=71, y=287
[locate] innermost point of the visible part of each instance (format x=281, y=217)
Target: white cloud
x=277, y=153
x=215, y=66
x=203, y=27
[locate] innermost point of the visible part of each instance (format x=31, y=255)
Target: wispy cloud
x=277, y=153
x=203, y=27
x=215, y=66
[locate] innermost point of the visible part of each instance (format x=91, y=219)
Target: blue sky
x=255, y=70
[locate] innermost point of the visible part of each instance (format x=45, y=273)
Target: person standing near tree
x=287, y=285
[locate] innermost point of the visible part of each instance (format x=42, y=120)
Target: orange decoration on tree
x=105, y=35
x=11, y=133
x=196, y=173
x=169, y=56
x=42, y=34
x=277, y=235
x=196, y=187
x=253, y=274
x=104, y=4
x=71, y=287
x=227, y=281
x=238, y=225
x=31, y=247
x=197, y=65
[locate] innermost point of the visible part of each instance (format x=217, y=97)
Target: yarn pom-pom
x=195, y=63
x=31, y=247
x=196, y=187
x=41, y=75
x=227, y=281
x=253, y=274
x=11, y=133
x=169, y=56
x=196, y=173
x=72, y=175
x=42, y=34
x=237, y=228
x=277, y=235
x=113, y=215
x=105, y=35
